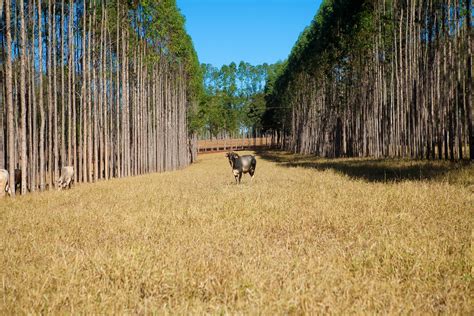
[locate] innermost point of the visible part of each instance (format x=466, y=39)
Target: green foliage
x=323, y=50
x=166, y=24
x=160, y=24
x=253, y=111
x=233, y=99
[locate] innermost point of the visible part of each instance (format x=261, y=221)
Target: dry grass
x=307, y=236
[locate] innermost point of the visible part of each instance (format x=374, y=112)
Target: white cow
x=4, y=182
x=67, y=178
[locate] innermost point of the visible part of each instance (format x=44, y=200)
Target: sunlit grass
x=307, y=235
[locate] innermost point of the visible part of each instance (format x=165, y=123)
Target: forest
x=382, y=78
x=105, y=86
x=116, y=88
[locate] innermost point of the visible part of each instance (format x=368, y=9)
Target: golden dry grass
x=308, y=235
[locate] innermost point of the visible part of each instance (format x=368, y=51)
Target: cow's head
x=59, y=184
x=231, y=156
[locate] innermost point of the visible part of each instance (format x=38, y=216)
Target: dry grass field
x=308, y=235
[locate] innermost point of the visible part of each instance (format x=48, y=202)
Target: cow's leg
x=236, y=175
x=240, y=176
x=251, y=173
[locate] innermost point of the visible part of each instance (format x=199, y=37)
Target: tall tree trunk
x=118, y=140
x=55, y=103
x=90, y=87
x=9, y=98
x=64, y=104
x=469, y=81
x=104, y=100
x=33, y=113
x=74, y=128
x=3, y=163
x=84, y=93
x=23, y=156
x=50, y=95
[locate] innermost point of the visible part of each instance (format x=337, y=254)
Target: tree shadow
x=378, y=170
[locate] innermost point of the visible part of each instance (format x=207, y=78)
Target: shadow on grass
x=379, y=170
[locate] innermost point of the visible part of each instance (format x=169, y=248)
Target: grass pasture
x=308, y=235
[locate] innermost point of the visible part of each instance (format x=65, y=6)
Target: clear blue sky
x=255, y=31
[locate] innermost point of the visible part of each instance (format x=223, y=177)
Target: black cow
x=244, y=164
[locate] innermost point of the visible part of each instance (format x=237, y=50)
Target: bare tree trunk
x=3, y=88
x=33, y=112
x=469, y=82
x=124, y=118
x=95, y=118
x=75, y=155
x=55, y=103
x=50, y=96
x=104, y=100
x=23, y=156
x=90, y=86
x=63, y=99
x=118, y=141
x=9, y=99
x=84, y=95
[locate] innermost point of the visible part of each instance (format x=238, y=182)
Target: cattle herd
x=65, y=181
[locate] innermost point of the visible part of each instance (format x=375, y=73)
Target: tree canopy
x=233, y=100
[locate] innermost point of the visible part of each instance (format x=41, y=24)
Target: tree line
x=232, y=103
x=382, y=78
x=105, y=86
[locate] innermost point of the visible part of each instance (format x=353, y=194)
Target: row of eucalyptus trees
x=232, y=102
x=101, y=85
x=382, y=78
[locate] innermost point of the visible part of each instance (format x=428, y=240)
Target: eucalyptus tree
x=379, y=78
x=233, y=103
x=9, y=96
x=23, y=94
x=109, y=87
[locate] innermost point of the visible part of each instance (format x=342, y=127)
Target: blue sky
x=255, y=31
